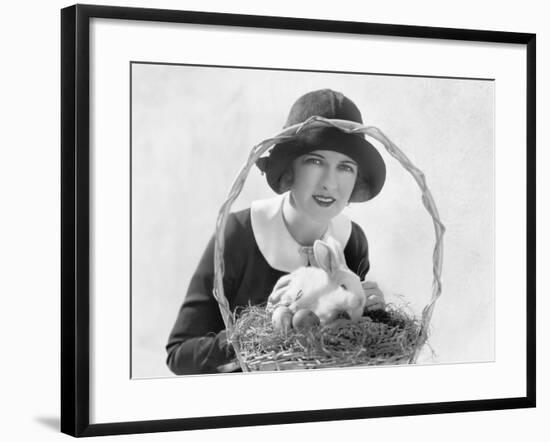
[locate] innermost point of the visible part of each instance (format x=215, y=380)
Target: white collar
x=279, y=248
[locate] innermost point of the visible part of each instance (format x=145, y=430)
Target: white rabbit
x=328, y=290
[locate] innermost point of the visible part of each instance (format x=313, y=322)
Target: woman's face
x=323, y=183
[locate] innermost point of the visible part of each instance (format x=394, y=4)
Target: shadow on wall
x=51, y=422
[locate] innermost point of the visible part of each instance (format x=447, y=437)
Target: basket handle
x=286, y=135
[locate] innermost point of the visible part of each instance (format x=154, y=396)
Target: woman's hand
x=281, y=295
x=230, y=367
x=375, y=297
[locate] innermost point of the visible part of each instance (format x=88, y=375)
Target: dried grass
x=382, y=337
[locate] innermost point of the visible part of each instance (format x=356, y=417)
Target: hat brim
x=371, y=166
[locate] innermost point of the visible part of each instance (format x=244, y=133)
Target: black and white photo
x=192, y=130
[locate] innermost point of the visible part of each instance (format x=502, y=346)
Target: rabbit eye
x=343, y=286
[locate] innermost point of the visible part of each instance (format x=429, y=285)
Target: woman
x=315, y=176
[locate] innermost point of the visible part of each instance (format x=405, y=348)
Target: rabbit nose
x=342, y=314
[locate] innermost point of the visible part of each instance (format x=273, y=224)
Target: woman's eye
x=312, y=160
x=347, y=168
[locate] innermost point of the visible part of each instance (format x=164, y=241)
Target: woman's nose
x=330, y=179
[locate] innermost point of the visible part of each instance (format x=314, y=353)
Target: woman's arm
x=357, y=259
x=197, y=342
x=356, y=252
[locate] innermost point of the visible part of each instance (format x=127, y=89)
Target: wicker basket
x=284, y=360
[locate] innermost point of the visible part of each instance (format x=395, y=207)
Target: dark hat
x=331, y=105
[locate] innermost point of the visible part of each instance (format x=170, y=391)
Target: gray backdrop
x=192, y=129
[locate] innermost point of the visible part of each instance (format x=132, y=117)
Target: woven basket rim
x=288, y=134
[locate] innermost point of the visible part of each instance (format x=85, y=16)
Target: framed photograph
x=272, y=220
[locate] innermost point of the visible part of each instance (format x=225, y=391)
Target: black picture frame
x=75, y=213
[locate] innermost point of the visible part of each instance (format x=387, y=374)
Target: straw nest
x=381, y=337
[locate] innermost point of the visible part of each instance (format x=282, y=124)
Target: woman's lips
x=323, y=201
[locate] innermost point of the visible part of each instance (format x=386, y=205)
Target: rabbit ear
x=325, y=256
x=337, y=249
